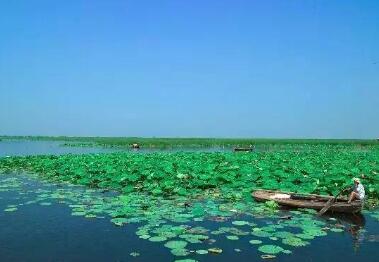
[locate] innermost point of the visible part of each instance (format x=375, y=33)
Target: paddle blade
x=326, y=207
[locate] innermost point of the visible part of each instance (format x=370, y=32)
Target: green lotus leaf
x=255, y=242
x=294, y=241
x=240, y=223
x=337, y=230
x=305, y=236
x=261, y=233
x=273, y=238
x=283, y=234
x=157, y=239
x=270, y=249
x=176, y=244
x=78, y=213
x=315, y=232
x=232, y=237
x=202, y=251
x=117, y=221
x=11, y=209
x=134, y=254
x=180, y=252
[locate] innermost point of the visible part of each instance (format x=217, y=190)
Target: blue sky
x=293, y=68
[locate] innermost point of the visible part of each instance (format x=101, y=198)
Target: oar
x=330, y=203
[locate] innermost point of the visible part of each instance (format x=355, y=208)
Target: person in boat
x=135, y=145
x=358, y=191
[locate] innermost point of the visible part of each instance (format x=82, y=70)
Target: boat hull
x=239, y=149
x=316, y=202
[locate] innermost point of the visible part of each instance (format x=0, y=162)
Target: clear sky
x=285, y=68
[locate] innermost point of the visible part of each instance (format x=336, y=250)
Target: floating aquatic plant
x=240, y=223
x=294, y=241
x=176, y=244
x=134, y=254
x=10, y=209
x=180, y=252
x=157, y=239
x=337, y=230
x=202, y=251
x=270, y=249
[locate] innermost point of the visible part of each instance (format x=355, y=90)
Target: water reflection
x=354, y=224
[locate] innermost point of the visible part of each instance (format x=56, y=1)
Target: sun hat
x=355, y=179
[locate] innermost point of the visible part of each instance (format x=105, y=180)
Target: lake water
x=26, y=147
x=35, y=232
x=46, y=230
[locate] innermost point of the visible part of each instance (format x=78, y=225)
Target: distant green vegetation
x=191, y=142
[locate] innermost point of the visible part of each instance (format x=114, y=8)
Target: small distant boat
x=243, y=149
x=135, y=146
x=307, y=201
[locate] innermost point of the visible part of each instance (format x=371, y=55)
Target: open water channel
x=38, y=227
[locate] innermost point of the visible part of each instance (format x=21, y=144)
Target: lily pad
x=180, y=252
x=157, y=239
x=240, y=223
x=337, y=230
x=11, y=209
x=270, y=249
x=202, y=251
x=176, y=244
x=134, y=254
x=294, y=241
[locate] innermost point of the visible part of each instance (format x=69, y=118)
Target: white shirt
x=360, y=190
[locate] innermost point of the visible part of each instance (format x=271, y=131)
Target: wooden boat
x=307, y=201
x=243, y=149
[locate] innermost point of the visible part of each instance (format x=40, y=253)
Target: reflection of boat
x=356, y=219
x=356, y=224
x=307, y=201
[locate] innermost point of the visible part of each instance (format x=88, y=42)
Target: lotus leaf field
x=231, y=176
x=173, y=198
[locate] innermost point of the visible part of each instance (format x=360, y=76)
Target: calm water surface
x=25, y=147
